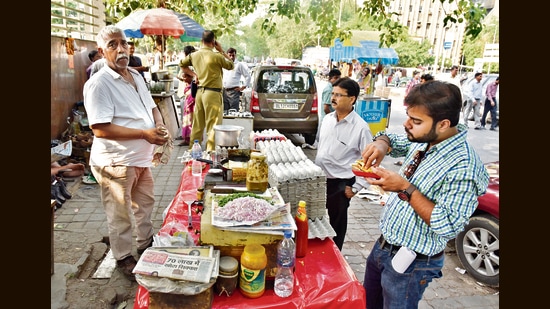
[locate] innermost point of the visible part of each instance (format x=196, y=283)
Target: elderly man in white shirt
x=232, y=87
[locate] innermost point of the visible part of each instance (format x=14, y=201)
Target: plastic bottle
x=196, y=168
x=286, y=255
x=196, y=150
x=252, y=277
x=303, y=230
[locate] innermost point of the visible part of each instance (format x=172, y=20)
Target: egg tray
x=320, y=228
x=311, y=190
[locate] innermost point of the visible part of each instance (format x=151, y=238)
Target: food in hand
x=358, y=168
x=360, y=165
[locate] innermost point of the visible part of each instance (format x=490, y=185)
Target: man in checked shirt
x=431, y=197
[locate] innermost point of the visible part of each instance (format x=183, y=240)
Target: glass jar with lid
x=257, y=172
x=228, y=277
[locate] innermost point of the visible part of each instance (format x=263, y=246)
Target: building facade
x=424, y=19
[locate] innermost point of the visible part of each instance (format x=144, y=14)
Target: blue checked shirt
x=452, y=176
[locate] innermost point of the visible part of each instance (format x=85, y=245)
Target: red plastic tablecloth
x=323, y=278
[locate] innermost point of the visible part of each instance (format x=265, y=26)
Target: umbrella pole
x=162, y=53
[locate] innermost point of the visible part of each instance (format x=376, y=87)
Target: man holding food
x=343, y=135
x=431, y=198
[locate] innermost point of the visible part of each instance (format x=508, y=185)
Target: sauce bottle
x=252, y=277
x=303, y=230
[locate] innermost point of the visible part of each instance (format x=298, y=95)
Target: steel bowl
x=227, y=135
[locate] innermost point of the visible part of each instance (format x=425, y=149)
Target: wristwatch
x=405, y=195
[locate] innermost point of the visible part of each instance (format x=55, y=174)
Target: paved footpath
x=80, y=233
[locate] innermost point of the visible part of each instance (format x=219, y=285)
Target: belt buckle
x=382, y=241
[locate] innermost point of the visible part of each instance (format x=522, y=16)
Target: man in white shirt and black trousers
x=232, y=82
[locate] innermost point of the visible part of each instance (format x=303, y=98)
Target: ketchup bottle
x=302, y=232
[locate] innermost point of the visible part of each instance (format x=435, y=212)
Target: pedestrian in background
x=208, y=72
x=135, y=62
x=187, y=91
x=326, y=97
x=127, y=125
x=93, y=55
x=232, y=88
x=430, y=199
x=326, y=100
x=344, y=134
x=364, y=78
x=473, y=93
x=491, y=104
x=426, y=77
x=188, y=103
x=455, y=79
x=415, y=80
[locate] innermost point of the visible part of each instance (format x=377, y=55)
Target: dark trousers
x=493, y=110
x=231, y=99
x=337, y=206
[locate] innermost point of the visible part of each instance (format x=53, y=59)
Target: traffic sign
x=447, y=45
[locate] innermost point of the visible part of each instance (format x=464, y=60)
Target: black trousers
x=337, y=207
x=490, y=109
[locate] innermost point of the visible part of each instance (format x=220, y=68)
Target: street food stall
x=166, y=105
x=323, y=278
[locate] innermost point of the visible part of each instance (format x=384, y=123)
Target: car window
x=284, y=81
x=173, y=68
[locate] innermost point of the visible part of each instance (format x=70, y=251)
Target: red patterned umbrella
x=159, y=21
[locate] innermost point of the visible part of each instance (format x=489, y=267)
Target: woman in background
x=187, y=101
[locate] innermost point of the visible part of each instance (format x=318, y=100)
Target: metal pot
x=227, y=135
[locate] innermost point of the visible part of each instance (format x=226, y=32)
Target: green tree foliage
x=412, y=53
x=221, y=16
x=473, y=48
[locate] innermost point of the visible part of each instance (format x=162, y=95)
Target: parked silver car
x=284, y=97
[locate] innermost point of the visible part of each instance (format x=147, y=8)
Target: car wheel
x=478, y=249
x=310, y=138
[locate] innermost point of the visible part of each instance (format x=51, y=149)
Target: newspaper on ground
x=163, y=263
x=175, y=286
x=61, y=151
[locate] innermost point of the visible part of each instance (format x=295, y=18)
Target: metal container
x=227, y=135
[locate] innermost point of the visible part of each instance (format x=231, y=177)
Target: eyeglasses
x=114, y=44
x=411, y=168
x=339, y=95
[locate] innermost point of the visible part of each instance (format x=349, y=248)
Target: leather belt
x=232, y=89
x=211, y=89
x=393, y=249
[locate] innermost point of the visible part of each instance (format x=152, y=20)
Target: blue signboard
x=447, y=45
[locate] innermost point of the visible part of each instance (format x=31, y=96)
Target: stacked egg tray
x=320, y=228
x=311, y=190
